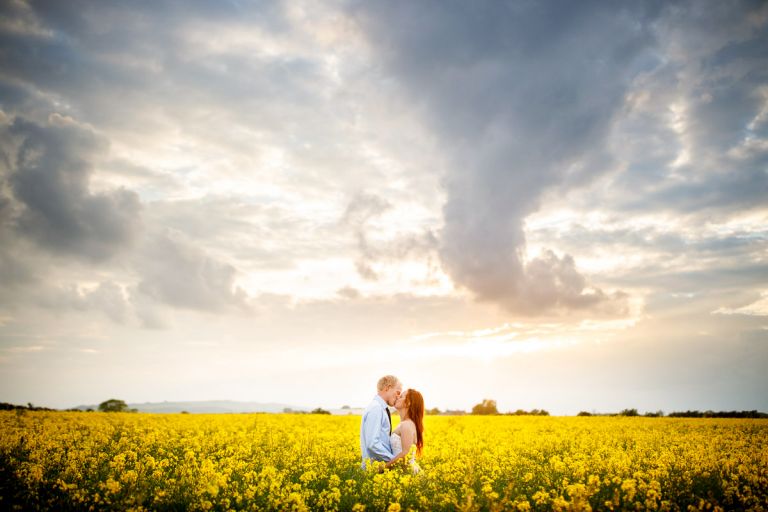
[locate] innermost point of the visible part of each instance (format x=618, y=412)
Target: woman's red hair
x=415, y=403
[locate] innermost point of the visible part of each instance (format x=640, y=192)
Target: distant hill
x=207, y=406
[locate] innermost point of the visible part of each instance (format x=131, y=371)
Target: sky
x=554, y=205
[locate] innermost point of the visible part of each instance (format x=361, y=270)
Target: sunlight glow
x=757, y=308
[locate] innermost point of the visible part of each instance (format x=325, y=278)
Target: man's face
x=392, y=394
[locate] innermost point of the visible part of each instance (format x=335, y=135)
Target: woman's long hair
x=415, y=403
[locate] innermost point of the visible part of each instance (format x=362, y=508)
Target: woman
x=410, y=431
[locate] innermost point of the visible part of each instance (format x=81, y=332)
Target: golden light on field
x=311, y=462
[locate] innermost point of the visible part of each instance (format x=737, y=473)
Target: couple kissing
x=378, y=442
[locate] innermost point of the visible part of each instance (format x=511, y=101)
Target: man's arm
x=372, y=428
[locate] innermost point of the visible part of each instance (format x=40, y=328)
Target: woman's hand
x=399, y=457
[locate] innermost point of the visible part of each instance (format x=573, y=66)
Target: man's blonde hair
x=387, y=381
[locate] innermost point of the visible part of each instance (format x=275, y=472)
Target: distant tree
x=629, y=412
x=184, y=412
x=533, y=412
x=584, y=413
x=719, y=414
x=657, y=414
x=320, y=411
x=113, y=405
x=486, y=407
x=29, y=407
x=433, y=412
x=345, y=407
x=287, y=410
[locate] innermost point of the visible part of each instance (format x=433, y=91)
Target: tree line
x=487, y=407
x=29, y=407
x=682, y=414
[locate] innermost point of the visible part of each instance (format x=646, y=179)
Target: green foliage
x=533, y=412
x=320, y=410
x=4, y=406
x=312, y=462
x=486, y=407
x=718, y=414
x=113, y=405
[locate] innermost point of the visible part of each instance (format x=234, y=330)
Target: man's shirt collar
x=381, y=401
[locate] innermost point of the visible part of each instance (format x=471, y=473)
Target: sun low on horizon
x=558, y=206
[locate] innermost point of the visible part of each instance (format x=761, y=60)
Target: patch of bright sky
x=748, y=222
x=322, y=279
x=757, y=308
x=678, y=123
x=521, y=330
x=762, y=115
x=560, y=221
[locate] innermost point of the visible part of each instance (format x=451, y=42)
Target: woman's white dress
x=397, y=447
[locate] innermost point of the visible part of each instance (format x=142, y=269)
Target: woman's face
x=400, y=402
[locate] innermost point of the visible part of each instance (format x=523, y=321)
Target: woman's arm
x=408, y=437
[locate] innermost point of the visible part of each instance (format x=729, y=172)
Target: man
x=377, y=422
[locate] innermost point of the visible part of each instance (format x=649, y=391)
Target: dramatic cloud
x=48, y=170
x=522, y=95
x=198, y=197
x=530, y=99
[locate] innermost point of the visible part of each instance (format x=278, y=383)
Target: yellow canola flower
x=311, y=462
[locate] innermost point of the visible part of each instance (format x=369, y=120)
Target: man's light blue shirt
x=374, y=432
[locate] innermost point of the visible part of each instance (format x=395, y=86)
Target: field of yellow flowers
x=97, y=461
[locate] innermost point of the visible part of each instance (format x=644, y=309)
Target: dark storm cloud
x=48, y=169
x=522, y=95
